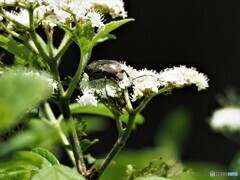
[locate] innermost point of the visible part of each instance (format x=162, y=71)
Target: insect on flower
x=110, y=79
x=110, y=69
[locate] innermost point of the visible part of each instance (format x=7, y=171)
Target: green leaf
x=46, y=154
x=108, y=28
x=102, y=111
x=33, y=136
x=58, y=172
x=86, y=143
x=105, y=38
x=20, y=92
x=16, y=174
x=22, y=165
x=25, y=159
x=21, y=51
x=84, y=35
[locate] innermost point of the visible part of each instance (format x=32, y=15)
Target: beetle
x=110, y=69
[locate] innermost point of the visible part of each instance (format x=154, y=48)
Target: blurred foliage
x=170, y=139
x=230, y=98
x=38, y=164
x=173, y=132
x=156, y=168
x=31, y=137
x=15, y=102
x=235, y=165
x=103, y=111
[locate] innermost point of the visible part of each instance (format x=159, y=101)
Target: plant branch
x=34, y=36
x=77, y=151
x=13, y=33
x=49, y=33
x=49, y=112
x=56, y=124
x=116, y=148
x=118, y=123
x=66, y=42
x=83, y=61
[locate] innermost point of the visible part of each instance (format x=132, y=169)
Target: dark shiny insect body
x=110, y=69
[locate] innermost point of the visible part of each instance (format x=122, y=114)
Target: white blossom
x=226, y=120
x=87, y=99
x=96, y=89
x=21, y=17
x=141, y=82
x=95, y=18
x=183, y=76
x=68, y=10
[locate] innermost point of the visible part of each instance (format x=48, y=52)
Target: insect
x=110, y=69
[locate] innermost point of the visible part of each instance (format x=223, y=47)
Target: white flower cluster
x=93, y=89
x=182, y=76
x=226, y=120
x=142, y=82
x=66, y=11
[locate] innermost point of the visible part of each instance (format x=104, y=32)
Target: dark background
x=202, y=33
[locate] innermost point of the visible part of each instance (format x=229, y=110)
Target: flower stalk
x=74, y=141
x=120, y=143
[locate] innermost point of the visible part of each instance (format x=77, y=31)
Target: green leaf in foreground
x=47, y=155
x=102, y=110
x=22, y=165
x=20, y=174
x=20, y=92
x=33, y=136
x=58, y=172
x=26, y=159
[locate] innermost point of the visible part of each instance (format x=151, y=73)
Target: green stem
x=13, y=33
x=83, y=61
x=149, y=97
x=49, y=112
x=49, y=33
x=116, y=148
x=56, y=124
x=126, y=132
x=66, y=42
x=119, y=126
x=34, y=36
x=77, y=151
x=118, y=123
x=128, y=101
x=65, y=143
